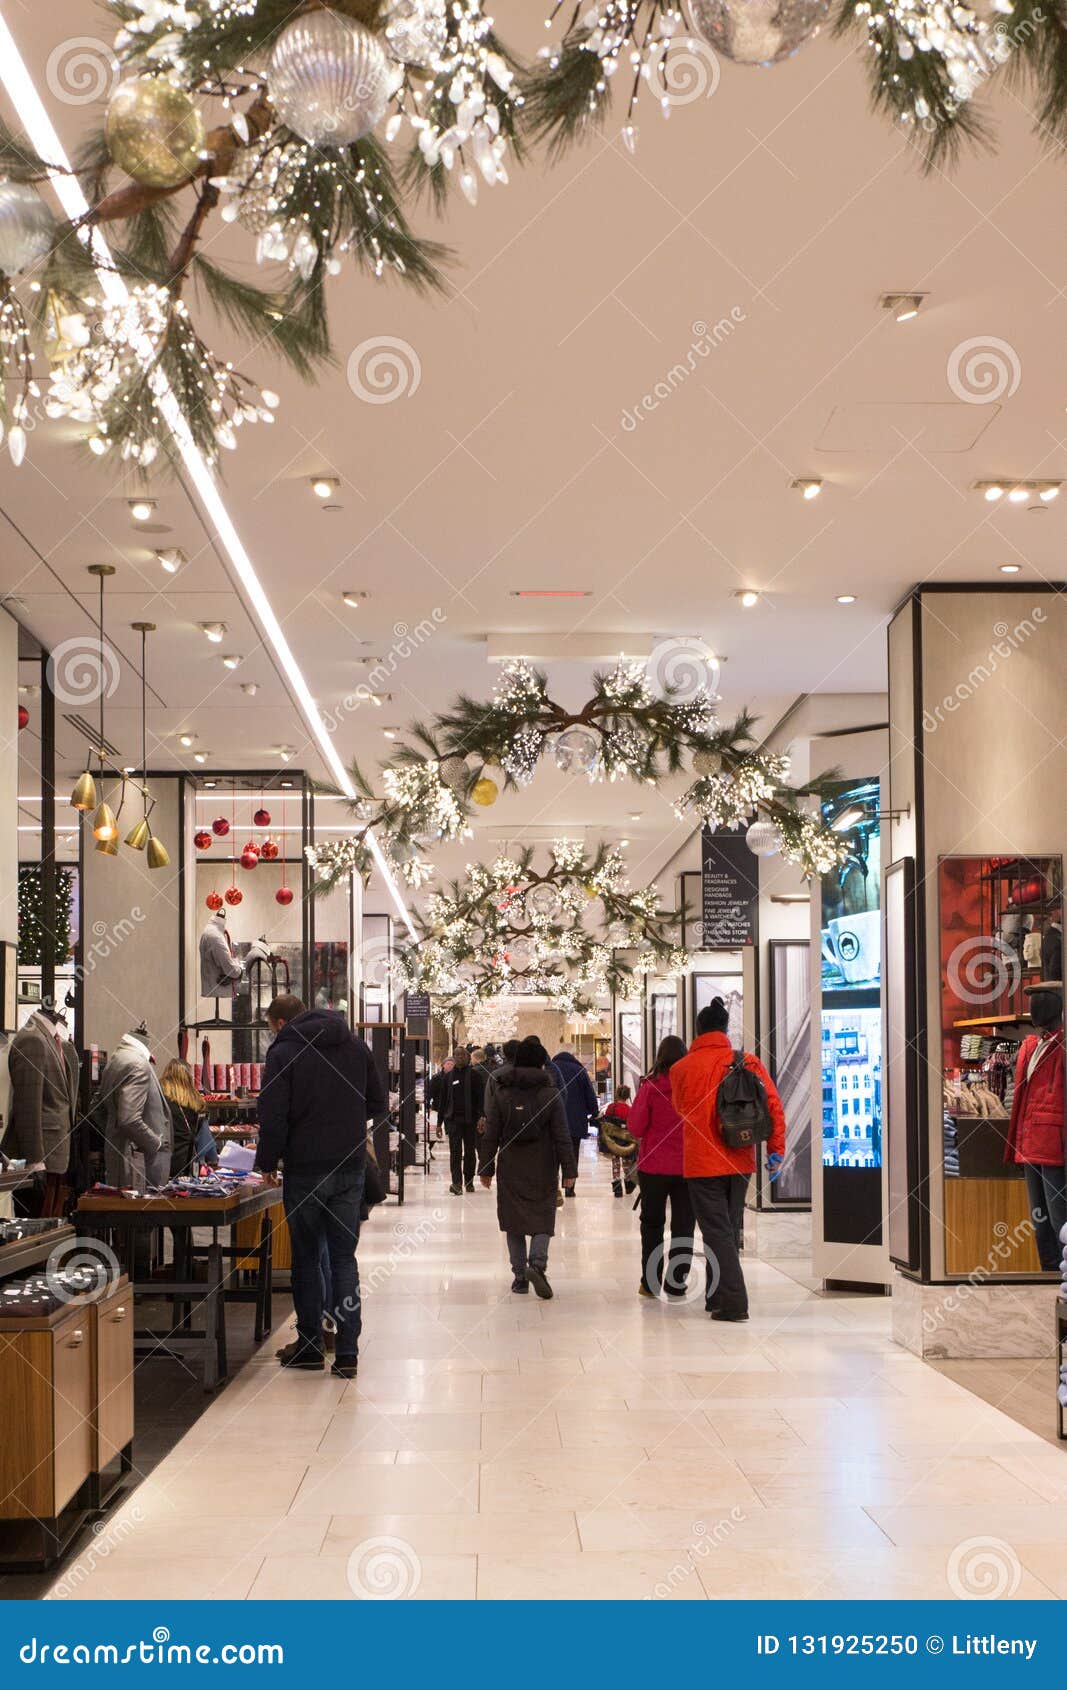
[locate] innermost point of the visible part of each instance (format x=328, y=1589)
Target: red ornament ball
x=268, y=851
x=283, y=895
x=24, y=717
x=233, y=895
x=214, y=901
x=253, y=847
x=202, y=839
x=220, y=827
x=262, y=818
x=249, y=859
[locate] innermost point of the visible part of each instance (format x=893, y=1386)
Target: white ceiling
x=782, y=200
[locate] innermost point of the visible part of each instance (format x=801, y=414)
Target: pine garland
x=32, y=937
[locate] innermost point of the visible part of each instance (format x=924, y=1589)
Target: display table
x=20, y=1255
x=127, y=1220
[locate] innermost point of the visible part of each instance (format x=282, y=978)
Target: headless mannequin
x=44, y=1078
x=138, y=1128
x=1036, y=1132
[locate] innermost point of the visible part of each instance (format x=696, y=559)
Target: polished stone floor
x=598, y=1445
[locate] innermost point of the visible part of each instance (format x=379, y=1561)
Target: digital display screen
x=851, y=939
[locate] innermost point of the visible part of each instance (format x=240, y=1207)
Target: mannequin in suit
x=137, y=1130
x=43, y=1066
x=219, y=968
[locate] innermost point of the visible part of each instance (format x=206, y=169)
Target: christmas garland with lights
x=508, y=930
x=626, y=730
x=311, y=95
x=31, y=929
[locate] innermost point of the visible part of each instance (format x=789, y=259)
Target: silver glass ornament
x=417, y=30
x=707, y=763
x=758, y=32
x=576, y=751
x=542, y=900
x=454, y=773
x=329, y=79
x=26, y=227
x=762, y=839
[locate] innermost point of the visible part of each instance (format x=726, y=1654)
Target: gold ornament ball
x=485, y=792
x=155, y=132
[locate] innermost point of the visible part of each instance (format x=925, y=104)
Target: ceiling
x=526, y=456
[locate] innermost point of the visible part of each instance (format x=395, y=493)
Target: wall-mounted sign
x=729, y=877
x=417, y=1006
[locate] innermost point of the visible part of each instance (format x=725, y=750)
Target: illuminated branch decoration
x=626, y=730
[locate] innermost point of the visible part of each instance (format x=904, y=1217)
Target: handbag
x=375, y=1190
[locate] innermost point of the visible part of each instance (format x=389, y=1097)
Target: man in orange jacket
x=718, y=1177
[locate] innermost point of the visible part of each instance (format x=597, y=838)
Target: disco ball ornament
x=268, y=851
x=26, y=227
x=707, y=763
x=520, y=953
x=262, y=818
x=758, y=32
x=220, y=827
x=542, y=901
x=416, y=30
x=762, y=839
x=283, y=896
x=214, y=902
x=454, y=773
x=233, y=896
x=329, y=79
x=202, y=839
x=576, y=752
x=249, y=859
x=154, y=132
x=485, y=792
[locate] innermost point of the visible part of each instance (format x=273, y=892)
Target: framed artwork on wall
x=790, y=1063
x=731, y=988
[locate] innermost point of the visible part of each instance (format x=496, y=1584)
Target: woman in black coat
x=525, y=1141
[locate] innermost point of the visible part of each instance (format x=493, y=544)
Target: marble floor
x=598, y=1445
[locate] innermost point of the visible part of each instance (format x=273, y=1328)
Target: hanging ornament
x=262, y=818
x=762, y=839
x=24, y=717
x=249, y=858
x=576, y=752
x=214, y=902
x=233, y=896
x=253, y=847
x=220, y=827
x=268, y=851
x=202, y=839
x=543, y=901
x=455, y=773
x=485, y=792
x=707, y=763
x=283, y=896
x=329, y=79
x=154, y=132
x=27, y=227
x=416, y=30
x=758, y=32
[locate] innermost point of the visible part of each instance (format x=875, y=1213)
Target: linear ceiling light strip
x=22, y=93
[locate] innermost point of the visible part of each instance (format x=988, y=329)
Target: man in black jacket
x=461, y=1109
x=320, y=1090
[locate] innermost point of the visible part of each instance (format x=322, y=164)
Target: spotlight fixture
x=390, y=733
x=904, y=306
x=1018, y=492
x=1050, y=492
x=141, y=509
x=846, y=598
x=354, y=600
x=747, y=597
x=186, y=740
x=1010, y=568
x=809, y=486
x=623, y=844
x=1018, y=496
x=634, y=815
x=201, y=757
x=250, y=688
x=172, y=558
x=993, y=493
x=210, y=785
x=215, y=631
x=231, y=661
x=285, y=752
x=324, y=486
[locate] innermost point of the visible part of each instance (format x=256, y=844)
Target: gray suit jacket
x=44, y=1095
x=137, y=1128
x=218, y=969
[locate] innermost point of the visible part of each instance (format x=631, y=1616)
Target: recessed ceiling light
x=390, y=733
x=202, y=757
x=250, y=688
x=623, y=844
x=186, y=739
x=286, y=753
x=904, y=306
x=286, y=783
x=1019, y=495
x=1050, y=492
x=1019, y=492
x=1010, y=568
x=231, y=661
x=141, y=509
x=172, y=559
x=215, y=631
x=747, y=597
x=994, y=492
x=354, y=600
x=209, y=785
x=324, y=486
x=809, y=487
x=846, y=598
x=635, y=815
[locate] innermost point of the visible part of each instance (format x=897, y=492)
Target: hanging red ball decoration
x=220, y=827
x=202, y=839
x=214, y=901
x=283, y=895
x=24, y=717
x=268, y=851
x=233, y=895
x=262, y=818
x=249, y=859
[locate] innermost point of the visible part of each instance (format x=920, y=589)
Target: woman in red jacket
x=655, y=1123
x=1036, y=1130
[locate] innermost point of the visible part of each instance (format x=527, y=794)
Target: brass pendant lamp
x=140, y=836
x=84, y=797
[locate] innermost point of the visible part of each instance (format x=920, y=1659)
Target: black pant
x=462, y=1151
x=667, y=1270
x=719, y=1206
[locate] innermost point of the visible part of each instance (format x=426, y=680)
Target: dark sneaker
x=571, y=1192
x=616, y=1187
x=520, y=1286
x=539, y=1280
x=643, y=1290
x=329, y=1337
x=728, y=1314
x=630, y=1187
x=456, y=1190
x=298, y=1355
x=470, y=1185
x=345, y=1367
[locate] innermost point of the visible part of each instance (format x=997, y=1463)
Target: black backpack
x=526, y=1118
x=741, y=1105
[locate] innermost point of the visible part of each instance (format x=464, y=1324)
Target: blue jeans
x=323, y=1214
x=1048, y=1211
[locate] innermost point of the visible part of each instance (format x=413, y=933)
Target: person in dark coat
x=579, y=1098
x=461, y=1109
x=526, y=1140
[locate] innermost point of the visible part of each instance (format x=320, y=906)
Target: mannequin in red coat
x=1036, y=1131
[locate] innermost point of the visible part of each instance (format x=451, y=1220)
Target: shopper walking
x=657, y=1125
x=462, y=1108
x=320, y=1091
x=525, y=1140
x=579, y=1099
x=717, y=1175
